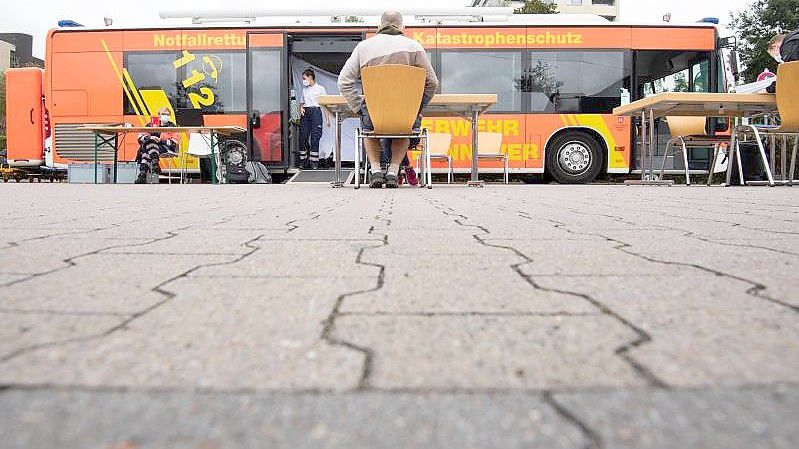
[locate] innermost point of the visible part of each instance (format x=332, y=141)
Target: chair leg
x=669, y=145
x=449, y=169
x=739, y=163
x=763, y=157
x=358, y=159
x=713, y=162
x=792, y=170
x=685, y=162
x=429, y=169
x=505, y=160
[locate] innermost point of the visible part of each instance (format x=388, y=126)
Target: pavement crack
x=623, y=351
x=329, y=327
x=593, y=440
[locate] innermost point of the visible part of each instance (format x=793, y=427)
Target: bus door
x=266, y=95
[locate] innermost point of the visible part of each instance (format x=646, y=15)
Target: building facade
x=608, y=9
x=16, y=50
x=8, y=56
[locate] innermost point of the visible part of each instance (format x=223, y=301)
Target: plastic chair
x=690, y=132
x=393, y=94
x=490, y=147
x=787, y=100
x=439, y=149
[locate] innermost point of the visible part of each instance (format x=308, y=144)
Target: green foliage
x=756, y=25
x=537, y=7
x=353, y=19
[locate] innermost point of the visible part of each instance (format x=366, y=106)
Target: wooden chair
x=393, y=94
x=489, y=146
x=439, y=149
x=787, y=101
x=690, y=132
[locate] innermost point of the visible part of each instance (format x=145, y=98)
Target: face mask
x=776, y=55
x=165, y=119
x=306, y=83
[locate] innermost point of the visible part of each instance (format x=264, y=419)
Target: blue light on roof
x=68, y=23
x=714, y=20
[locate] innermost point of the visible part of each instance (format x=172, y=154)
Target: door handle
x=32, y=122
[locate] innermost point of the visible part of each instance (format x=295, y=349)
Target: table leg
x=95, y=158
x=213, y=159
x=652, y=136
x=338, y=182
x=644, y=136
x=357, y=160
x=116, y=155
x=475, y=180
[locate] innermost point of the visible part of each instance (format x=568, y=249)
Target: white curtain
x=330, y=82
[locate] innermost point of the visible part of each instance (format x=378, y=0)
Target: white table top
x=702, y=104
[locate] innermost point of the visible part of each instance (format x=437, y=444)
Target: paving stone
x=39, y=419
x=492, y=352
x=21, y=331
x=265, y=336
x=103, y=283
x=706, y=418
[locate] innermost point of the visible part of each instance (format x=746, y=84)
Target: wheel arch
x=590, y=131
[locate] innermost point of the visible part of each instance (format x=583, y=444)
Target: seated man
x=152, y=146
x=388, y=46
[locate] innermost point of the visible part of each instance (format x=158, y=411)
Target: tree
x=756, y=25
x=537, y=7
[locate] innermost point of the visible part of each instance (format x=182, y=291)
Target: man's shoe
x=410, y=175
x=391, y=181
x=314, y=165
x=377, y=180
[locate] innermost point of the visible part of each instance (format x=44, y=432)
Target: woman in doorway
x=311, y=121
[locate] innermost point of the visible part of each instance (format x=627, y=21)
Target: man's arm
x=348, y=82
x=431, y=80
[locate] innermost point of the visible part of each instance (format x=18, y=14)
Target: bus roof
x=542, y=20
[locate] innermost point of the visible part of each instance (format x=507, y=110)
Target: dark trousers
x=385, y=154
x=310, y=134
x=205, y=170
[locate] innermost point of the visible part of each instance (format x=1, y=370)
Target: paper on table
x=757, y=86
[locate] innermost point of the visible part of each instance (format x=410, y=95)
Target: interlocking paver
x=303, y=316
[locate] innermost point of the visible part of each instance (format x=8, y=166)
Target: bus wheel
x=574, y=158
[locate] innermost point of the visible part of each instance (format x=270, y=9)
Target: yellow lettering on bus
x=158, y=40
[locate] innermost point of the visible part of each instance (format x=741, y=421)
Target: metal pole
x=475, y=181
x=358, y=159
x=116, y=155
x=213, y=158
x=651, y=144
x=95, y=157
x=642, y=158
x=338, y=182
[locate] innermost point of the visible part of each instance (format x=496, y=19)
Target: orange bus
x=557, y=86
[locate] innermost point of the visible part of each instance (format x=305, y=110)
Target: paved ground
x=305, y=317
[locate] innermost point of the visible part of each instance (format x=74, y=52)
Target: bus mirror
x=734, y=65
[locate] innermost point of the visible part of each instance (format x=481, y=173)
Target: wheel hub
x=574, y=157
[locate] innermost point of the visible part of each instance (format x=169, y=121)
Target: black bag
x=752, y=164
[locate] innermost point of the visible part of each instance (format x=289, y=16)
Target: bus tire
x=574, y=158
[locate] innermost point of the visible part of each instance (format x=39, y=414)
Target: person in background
x=783, y=48
x=311, y=121
x=153, y=145
x=388, y=46
x=405, y=165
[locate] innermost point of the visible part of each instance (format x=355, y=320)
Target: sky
x=36, y=17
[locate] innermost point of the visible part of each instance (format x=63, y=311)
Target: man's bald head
x=391, y=18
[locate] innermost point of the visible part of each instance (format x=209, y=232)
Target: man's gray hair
x=391, y=18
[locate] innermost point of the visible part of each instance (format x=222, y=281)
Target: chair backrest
x=686, y=126
x=439, y=143
x=393, y=95
x=489, y=143
x=788, y=96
